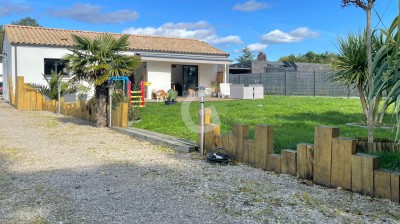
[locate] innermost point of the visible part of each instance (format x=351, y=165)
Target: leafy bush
x=133, y=114
x=172, y=95
x=117, y=98
x=51, y=89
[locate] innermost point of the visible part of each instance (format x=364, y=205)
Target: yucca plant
x=51, y=89
x=351, y=65
x=386, y=68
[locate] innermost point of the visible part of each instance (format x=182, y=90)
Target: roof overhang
x=185, y=58
x=164, y=56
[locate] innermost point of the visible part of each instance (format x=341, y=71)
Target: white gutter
x=181, y=60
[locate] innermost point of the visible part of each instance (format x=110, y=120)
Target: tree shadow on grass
x=326, y=118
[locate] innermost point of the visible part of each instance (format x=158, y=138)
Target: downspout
x=225, y=73
x=15, y=69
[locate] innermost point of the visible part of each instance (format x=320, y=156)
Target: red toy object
x=138, y=97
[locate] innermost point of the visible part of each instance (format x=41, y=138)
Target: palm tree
x=97, y=59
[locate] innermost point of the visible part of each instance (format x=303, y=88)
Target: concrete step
x=181, y=145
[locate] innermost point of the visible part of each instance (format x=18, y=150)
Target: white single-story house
x=33, y=51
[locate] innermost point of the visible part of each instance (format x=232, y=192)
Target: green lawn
x=293, y=118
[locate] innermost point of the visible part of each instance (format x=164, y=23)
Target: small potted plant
x=171, y=99
x=214, y=88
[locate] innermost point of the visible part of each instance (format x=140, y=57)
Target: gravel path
x=57, y=169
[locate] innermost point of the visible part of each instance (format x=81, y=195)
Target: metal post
x=110, y=92
x=58, y=90
x=202, y=125
x=314, y=83
x=285, y=83
x=59, y=98
x=348, y=92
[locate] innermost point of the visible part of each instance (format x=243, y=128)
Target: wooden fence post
x=211, y=132
x=11, y=91
x=207, y=121
x=274, y=163
x=19, y=96
x=342, y=150
x=305, y=161
x=289, y=161
x=248, y=152
x=382, y=184
x=240, y=132
x=39, y=101
x=362, y=173
x=323, y=154
x=395, y=186
x=264, y=145
x=124, y=115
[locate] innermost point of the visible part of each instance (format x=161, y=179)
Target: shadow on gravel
x=77, y=121
x=114, y=193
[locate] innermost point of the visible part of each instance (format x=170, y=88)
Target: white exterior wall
x=159, y=74
x=207, y=73
x=8, y=68
x=30, y=63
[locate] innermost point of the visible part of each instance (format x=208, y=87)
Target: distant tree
x=246, y=56
x=291, y=57
x=261, y=56
x=367, y=7
x=311, y=57
x=27, y=21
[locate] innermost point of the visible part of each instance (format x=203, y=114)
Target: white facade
x=28, y=61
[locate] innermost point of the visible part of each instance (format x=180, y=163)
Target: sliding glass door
x=190, y=77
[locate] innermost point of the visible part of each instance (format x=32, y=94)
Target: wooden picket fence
x=332, y=161
x=27, y=98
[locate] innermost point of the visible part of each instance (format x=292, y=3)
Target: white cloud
x=249, y=6
x=93, y=14
x=224, y=40
x=257, y=47
x=201, y=30
x=8, y=7
x=297, y=35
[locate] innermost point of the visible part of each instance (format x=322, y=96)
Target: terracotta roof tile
x=59, y=37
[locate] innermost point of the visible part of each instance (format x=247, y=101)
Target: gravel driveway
x=57, y=169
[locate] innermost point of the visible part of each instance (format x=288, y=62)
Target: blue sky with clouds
x=276, y=27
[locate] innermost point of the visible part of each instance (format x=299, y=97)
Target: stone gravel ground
x=58, y=169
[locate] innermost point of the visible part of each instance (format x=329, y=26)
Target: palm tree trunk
x=363, y=100
x=101, y=105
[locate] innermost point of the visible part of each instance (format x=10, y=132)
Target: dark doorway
x=184, y=77
x=190, y=77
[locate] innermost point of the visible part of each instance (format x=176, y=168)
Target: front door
x=190, y=77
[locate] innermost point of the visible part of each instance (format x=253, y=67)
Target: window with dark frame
x=55, y=65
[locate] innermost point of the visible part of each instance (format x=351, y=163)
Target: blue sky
x=276, y=27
